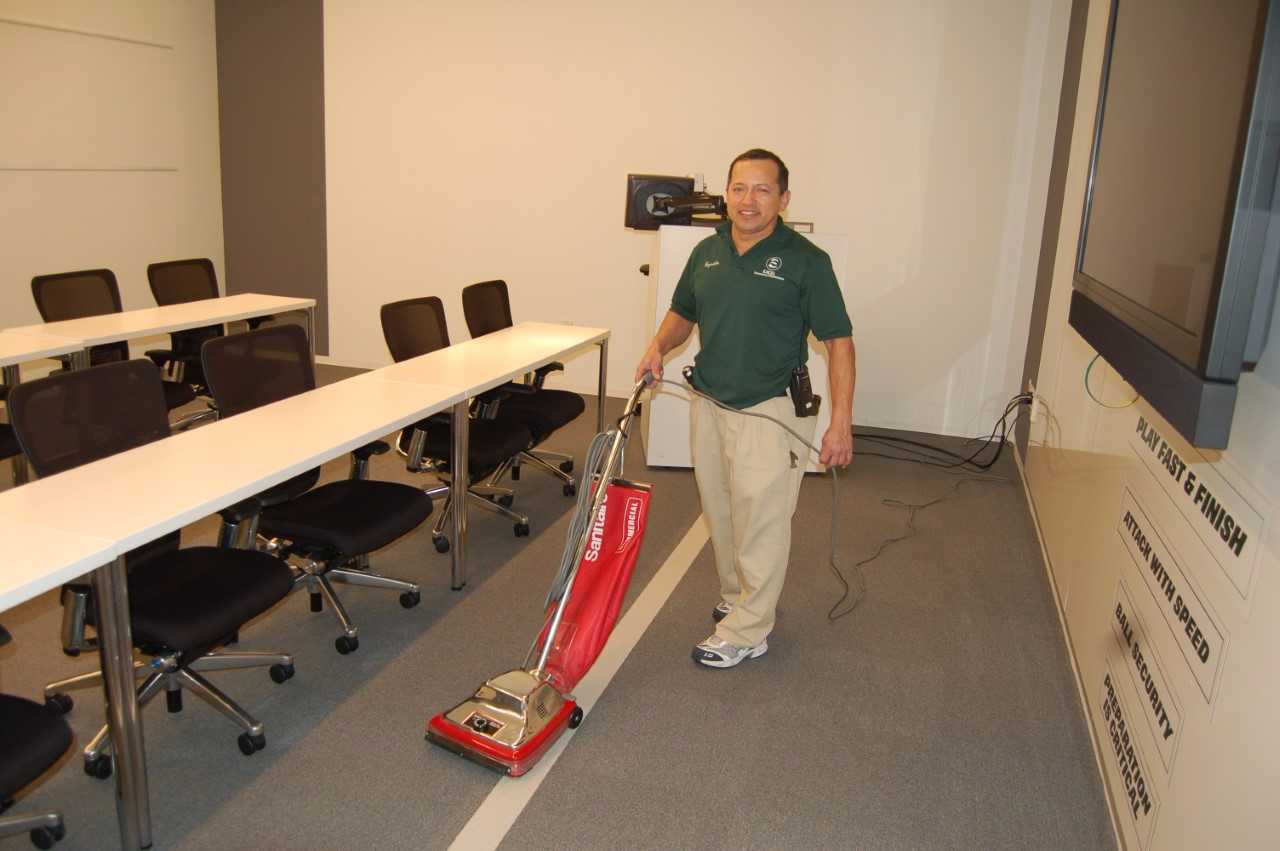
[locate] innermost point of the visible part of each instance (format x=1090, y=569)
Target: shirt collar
x=778, y=239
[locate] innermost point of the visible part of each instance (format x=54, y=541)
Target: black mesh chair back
x=487, y=307
x=181, y=281
x=414, y=327
x=178, y=282
x=255, y=368
x=246, y=371
x=72, y=418
x=75, y=295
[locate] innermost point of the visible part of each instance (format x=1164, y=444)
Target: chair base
x=521, y=521
x=319, y=578
x=45, y=828
x=164, y=673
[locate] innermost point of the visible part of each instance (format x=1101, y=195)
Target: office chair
x=32, y=740
x=487, y=308
x=183, y=603
x=178, y=282
x=94, y=292
x=416, y=327
x=9, y=447
x=330, y=527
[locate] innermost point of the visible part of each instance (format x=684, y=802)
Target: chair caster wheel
x=251, y=744
x=442, y=544
x=575, y=717
x=566, y=466
x=46, y=837
x=59, y=702
x=346, y=644
x=570, y=490
x=522, y=530
x=409, y=599
x=506, y=499
x=99, y=767
x=281, y=673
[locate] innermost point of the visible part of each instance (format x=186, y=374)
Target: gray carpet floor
x=942, y=713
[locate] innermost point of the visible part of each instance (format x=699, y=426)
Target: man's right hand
x=650, y=361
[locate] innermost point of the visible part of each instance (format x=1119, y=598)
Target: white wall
x=1212, y=780
x=492, y=139
x=109, y=147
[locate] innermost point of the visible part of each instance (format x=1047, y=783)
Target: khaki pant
x=749, y=471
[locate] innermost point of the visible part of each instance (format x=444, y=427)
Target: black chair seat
x=351, y=517
x=194, y=598
x=177, y=394
x=542, y=412
x=489, y=443
x=32, y=738
x=8, y=442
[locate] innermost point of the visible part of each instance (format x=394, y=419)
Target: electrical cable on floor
x=1002, y=425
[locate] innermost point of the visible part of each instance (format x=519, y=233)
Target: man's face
x=753, y=197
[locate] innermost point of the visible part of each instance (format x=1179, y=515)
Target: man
x=755, y=289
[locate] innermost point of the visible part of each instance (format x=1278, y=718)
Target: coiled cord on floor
x=854, y=595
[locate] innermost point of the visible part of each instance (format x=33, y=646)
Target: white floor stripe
x=495, y=815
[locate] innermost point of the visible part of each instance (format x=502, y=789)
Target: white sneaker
x=718, y=653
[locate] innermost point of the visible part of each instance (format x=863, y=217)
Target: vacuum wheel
x=46, y=837
x=409, y=599
x=99, y=767
x=281, y=673
x=346, y=644
x=59, y=702
x=251, y=744
x=442, y=544
x=522, y=530
x=575, y=717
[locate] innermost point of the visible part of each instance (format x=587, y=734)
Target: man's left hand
x=837, y=446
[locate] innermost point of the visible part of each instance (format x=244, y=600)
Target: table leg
x=604, y=369
x=311, y=332
x=115, y=647
x=461, y=431
x=80, y=359
x=21, y=472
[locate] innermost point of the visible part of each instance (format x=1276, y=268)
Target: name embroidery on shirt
x=708, y=264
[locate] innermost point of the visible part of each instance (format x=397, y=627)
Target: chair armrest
x=241, y=511
x=540, y=374
x=160, y=356
x=377, y=447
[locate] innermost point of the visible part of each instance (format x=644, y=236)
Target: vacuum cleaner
x=514, y=717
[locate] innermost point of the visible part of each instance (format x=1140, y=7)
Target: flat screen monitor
x=1176, y=266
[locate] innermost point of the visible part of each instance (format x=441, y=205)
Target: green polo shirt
x=755, y=311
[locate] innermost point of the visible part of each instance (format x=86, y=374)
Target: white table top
x=114, y=327
x=137, y=496
x=46, y=556
x=32, y=344
x=485, y=362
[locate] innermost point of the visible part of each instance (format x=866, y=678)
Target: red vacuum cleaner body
x=515, y=717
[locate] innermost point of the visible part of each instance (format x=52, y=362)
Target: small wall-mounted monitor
x=644, y=189
x=1177, y=263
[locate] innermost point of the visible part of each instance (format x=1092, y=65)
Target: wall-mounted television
x=1177, y=263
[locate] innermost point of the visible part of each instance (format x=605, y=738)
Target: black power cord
x=915, y=447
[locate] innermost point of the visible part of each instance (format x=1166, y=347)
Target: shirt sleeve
x=824, y=309
x=683, y=303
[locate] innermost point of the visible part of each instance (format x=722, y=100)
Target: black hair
x=762, y=154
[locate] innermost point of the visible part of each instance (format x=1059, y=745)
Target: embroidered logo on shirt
x=710, y=263
x=771, y=267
